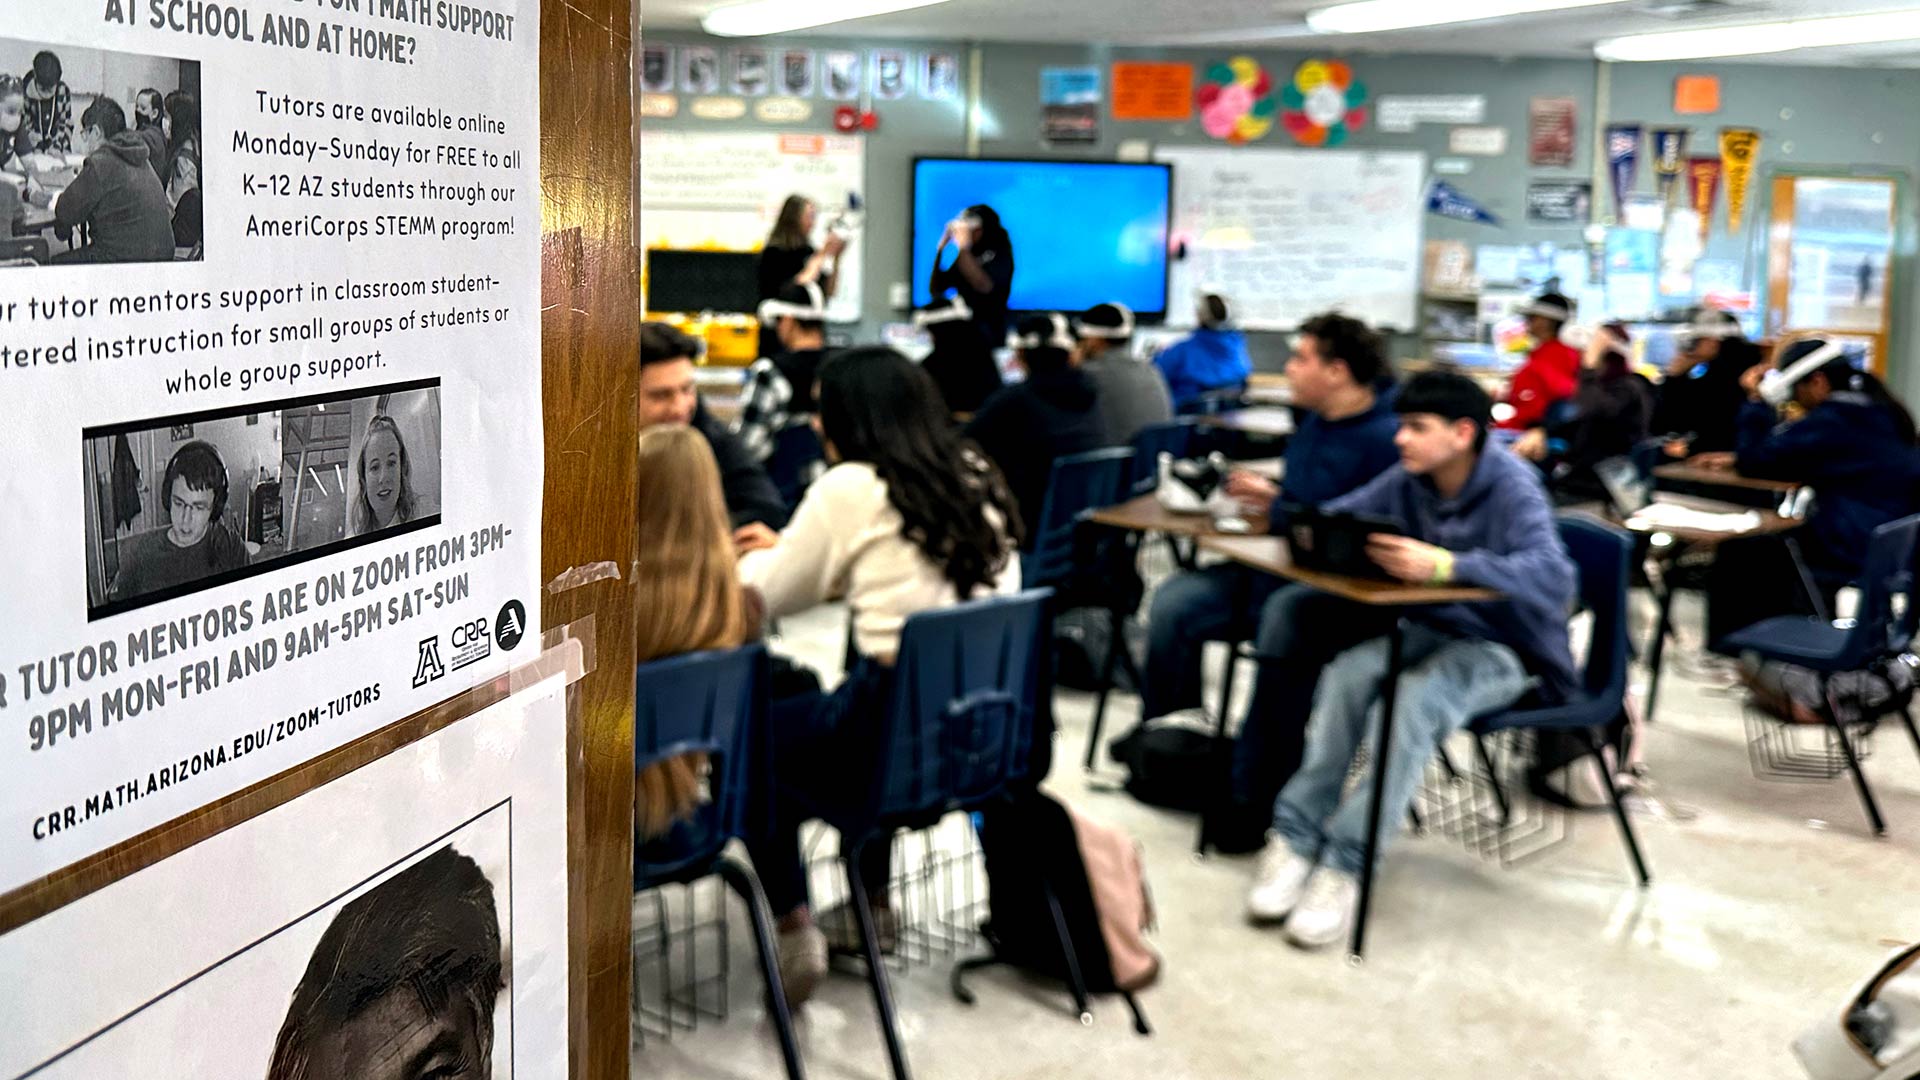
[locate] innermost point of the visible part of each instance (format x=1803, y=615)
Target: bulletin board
x=1290, y=233
x=723, y=190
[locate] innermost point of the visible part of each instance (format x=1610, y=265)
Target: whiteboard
x=1286, y=234
x=722, y=190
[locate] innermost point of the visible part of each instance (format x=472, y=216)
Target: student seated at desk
x=1212, y=358
x=668, y=395
x=1607, y=419
x=183, y=191
x=1131, y=394
x=1053, y=413
x=116, y=196
x=779, y=389
x=16, y=141
x=961, y=364
x=1345, y=438
x=909, y=518
x=1854, y=445
x=1552, y=370
x=1474, y=515
x=1700, y=399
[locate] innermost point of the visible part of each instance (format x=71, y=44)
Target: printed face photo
x=842, y=75
x=889, y=74
x=796, y=73
x=750, y=72
x=656, y=69
x=700, y=72
x=941, y=79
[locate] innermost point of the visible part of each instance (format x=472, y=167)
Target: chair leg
x=743, y=882
x=1115, y=647
x=1906, y=716
x=1076, y=983
x=876, y=967
x=1657, y=650
x=1853, y=761
x=1597, y=744
x=1226, y=686
x=1493, y=778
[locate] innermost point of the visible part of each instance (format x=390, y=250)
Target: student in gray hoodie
x=117, y=195
x=1132, y=393
x=1473, y=515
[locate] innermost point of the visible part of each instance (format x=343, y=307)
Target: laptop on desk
x=1335, y=543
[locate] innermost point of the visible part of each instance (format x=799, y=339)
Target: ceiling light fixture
x=1756, y=38
x=1372, y=16
x=759, y=17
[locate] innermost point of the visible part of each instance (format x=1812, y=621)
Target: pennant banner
x=1703, y=183
x=1449, y=202
x=1738, y=148
x=1669, y=159
x=1623, y=161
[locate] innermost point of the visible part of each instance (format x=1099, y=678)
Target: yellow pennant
x=1738, y=148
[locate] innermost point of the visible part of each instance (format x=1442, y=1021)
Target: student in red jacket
x=1552, y=370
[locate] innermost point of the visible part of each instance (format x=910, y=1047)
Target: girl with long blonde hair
x=690, y=598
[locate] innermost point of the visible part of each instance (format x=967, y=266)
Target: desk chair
x=1600, y=552
x=712, y=703
x=958, y=734
x=1173, y=437
x=1830, y=647
x=796, y=452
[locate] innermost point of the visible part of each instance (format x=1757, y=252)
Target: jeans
x=1445, y=681
x=1299, y=631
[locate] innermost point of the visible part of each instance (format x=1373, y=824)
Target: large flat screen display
x=1083, y=232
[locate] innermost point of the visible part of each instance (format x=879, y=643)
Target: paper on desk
x=1673, y=516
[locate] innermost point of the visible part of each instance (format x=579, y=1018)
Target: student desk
x=1268, y=421
x=1144, y=514
x=1746, y=490
x=1269, y=555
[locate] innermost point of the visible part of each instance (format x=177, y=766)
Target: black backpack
x=1174, y=765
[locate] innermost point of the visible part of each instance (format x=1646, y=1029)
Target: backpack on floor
x=1794, y=693
x=1876, y=1034
x=1047, y=867
x=1175, y=763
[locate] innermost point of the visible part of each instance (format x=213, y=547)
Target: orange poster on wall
x=1145, y=90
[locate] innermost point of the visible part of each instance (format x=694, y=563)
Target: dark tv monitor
x=690, y=282
x=1083, y=232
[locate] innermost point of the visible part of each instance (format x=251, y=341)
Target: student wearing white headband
x=1610, y=411
x=1212, y=358
x=779, y=389
x=1055, y=411
x=981, y=272
x=1132, y=394
x=961, y=364
x=789, y=258
x=1700, y=398
x=1853, y=444
x=1552, y=370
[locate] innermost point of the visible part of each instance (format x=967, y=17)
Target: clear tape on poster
x=565, y=650
x=575, y=576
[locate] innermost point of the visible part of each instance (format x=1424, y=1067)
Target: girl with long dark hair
x=981, y=271
x=1853, y=444
x=909, y=518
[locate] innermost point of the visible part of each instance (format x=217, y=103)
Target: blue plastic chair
x=712, y=703
x=957, y=735
x=1173, y=437
x=796, y=450
x=1831, y=647
x=1078, y=485
x=1601, y=554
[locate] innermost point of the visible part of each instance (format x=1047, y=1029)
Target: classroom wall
x=1830, y=117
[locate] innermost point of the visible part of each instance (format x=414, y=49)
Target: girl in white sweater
x=909, y=518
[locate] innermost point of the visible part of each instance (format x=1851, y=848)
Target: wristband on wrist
x=1443, y=567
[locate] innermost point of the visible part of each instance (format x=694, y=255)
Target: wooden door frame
x=1778, y=266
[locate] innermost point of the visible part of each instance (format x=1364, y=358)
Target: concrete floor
x=1769, y=901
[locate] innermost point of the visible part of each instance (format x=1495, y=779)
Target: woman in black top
x=789, y=258
x=981, y=271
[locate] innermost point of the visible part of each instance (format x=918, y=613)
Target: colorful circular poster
x=1323, y=103
x=1236, y=101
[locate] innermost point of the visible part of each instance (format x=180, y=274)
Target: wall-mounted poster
x=795, y=76
x=840, y=75
x=417, y=904
x=1152, y=90
x=751, y=75
x=1559, y=202
x=699, y=69
x=1550, y=131
x=1070, y=105
x=940, y=76
x=273, y=442
x=891, y=80
x=656, y=69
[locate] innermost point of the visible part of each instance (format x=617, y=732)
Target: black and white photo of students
x=699, y=70
x=796, y=72
x=889, y=74
x=940, y=77
x=842, y=75
x=750, y=73
x=656, y=69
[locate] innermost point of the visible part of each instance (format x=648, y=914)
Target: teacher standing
x=981, y=271
x=789, y=258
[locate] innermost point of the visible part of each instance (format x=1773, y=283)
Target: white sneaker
x=1322, y=915
x=1277, y=881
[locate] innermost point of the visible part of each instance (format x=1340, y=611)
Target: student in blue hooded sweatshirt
x=1854, y=445
x=1474, y=515
x=1212, y=358
x=1345, y=438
